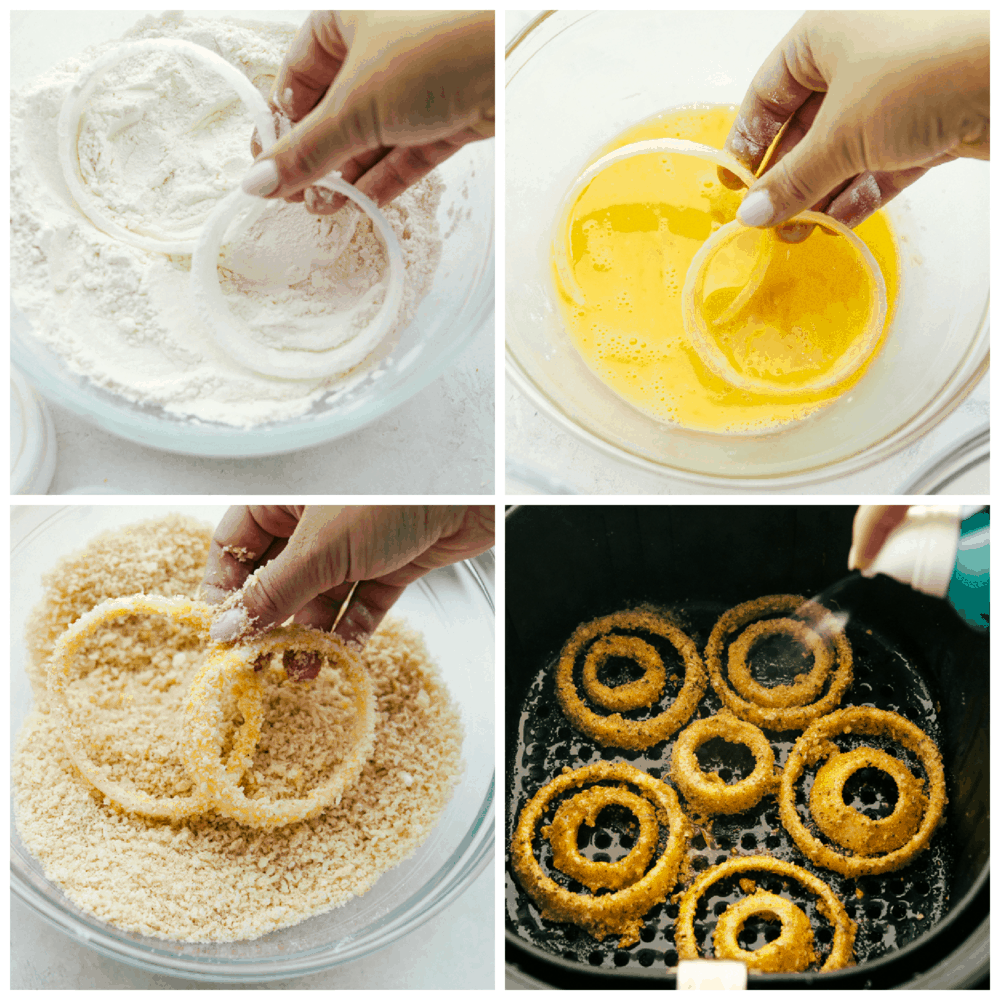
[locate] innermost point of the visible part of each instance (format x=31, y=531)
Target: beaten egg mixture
x=632, y=235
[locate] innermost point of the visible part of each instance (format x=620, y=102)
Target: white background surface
x=440, y=441
x=453, y=950
x=535, y=441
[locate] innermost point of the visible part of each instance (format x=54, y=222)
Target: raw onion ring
x=791, y=951
x=619, y=913
x=849, y=828
x=584, y=807
x=613, y=730
x=708, y=794
x=788, y=715
x=844, y=929
x=179, y=609
x=201, y=728
x=814, y=744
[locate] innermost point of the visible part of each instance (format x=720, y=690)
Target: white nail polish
x=756, y=209
x=261, y=179
x=228, y=626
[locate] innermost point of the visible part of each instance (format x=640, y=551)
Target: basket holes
x=602, y=840
x=824, y=935
x=699, y=863
x=897, y=911
x=885, y=690
x=670, y=957
x=720, y=907
x=543, y=710
x=595, y=958
x=749, y=841
x=921, y=886
x=621, y=958
x=563, y=733
x=646, y=957
x=873, y=910
x=655, y=753
x=671, y=910
x=647, y=934
x=772, y=840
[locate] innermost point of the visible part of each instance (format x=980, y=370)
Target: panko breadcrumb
x=207, y=878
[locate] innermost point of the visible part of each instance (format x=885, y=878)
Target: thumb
x=824, y=159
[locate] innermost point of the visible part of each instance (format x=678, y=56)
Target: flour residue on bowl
x=161, y=142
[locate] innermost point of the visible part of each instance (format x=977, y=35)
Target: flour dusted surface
x=208, y=879
x=161, y=143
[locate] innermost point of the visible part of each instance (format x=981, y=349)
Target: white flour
x=161, y=143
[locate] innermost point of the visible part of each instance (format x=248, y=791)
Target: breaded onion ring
x=635, y=694
x=791, y=951
x=619, y=913
x=844, y=929
x=584, y=807
x=786, y=715
x=844, y=825
x=708, y=794
x=201, y=728
x=806, y=687
x=613, y=730
x=179, y=609
x=814, y=744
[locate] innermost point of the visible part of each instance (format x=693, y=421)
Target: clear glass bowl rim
x=467, y=860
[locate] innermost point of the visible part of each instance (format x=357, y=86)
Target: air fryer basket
x=923, y=926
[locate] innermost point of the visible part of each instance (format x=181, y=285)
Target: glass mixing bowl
x=453, y=607
x=575, y=80
x=460, y=302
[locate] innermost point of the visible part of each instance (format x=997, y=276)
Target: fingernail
x=852, y=557
x=262, y=179
x=229, y=626
x=756, y=209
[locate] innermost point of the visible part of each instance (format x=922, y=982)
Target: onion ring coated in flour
x=814, y=744
x=619, y=913
x=708, y=794
x=788, y=715
x=844, y=929
x=179, y=609
x=201, y=738
x=614, y=730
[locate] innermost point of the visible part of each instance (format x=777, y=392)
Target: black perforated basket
x=923, y=927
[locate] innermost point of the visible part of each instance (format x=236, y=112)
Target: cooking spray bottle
x=942, y=550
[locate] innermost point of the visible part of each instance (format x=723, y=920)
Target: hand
x=382, y=97
x=307, y=559
x=873, y=524
x=872, y=101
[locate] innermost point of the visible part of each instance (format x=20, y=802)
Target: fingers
x=311, y=63
x=872, y=524
x=775, y=94
x=369, y=605
x=405, y=165
x=241, y=540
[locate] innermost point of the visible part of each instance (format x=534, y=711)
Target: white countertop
x=453, y=950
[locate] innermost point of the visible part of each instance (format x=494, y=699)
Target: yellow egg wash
x=632, y=235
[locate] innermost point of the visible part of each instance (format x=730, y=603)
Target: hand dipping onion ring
x=787, y=711
x=814, y=744
x=790, y=959
x=614, y=730
x=178, y=609
x=620, y=912
x=201, y=729
x=708, y=794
